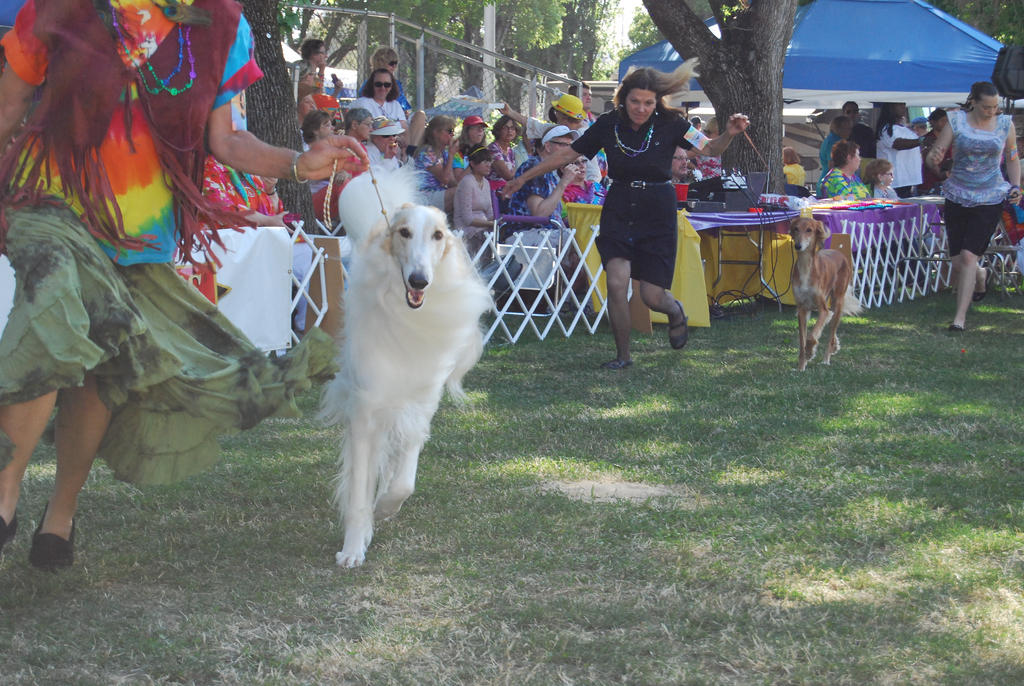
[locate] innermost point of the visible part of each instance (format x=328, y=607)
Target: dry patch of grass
x=591, y=491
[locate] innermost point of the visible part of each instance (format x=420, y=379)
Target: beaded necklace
x=184, y=45
x=633, y=152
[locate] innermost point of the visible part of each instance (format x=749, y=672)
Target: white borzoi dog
x=411, y=328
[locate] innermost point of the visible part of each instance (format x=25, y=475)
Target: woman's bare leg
x=966, y=264
x=617, y=273
x=23, y=423
x=659, y=300
x=81, y=423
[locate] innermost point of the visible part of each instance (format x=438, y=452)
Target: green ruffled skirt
x=173, y=370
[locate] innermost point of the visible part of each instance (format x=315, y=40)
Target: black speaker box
x=1008, y=74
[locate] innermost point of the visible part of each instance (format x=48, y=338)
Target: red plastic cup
x=682, y=190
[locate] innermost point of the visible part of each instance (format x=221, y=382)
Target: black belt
x=643, y=185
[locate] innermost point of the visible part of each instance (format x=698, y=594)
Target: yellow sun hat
x=570, y=106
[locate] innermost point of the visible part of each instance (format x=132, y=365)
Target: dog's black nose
x=418, y=281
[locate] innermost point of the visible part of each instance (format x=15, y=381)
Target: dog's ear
x=406, y=205
x=822, y=232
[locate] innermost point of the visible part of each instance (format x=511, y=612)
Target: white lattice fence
x=302, y=277
x=532, y=287
x=894, y=261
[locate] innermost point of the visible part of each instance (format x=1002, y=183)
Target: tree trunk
x=740, y=72
x=271, y=103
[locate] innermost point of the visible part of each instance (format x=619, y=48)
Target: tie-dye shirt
x=145, y=201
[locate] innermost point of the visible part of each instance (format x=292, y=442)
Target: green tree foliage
x=1001, y=19
x=643, y=33
x=582, y=38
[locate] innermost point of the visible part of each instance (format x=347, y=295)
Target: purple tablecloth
x=882, y=224
x=702, y=221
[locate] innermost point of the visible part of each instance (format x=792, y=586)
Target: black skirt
x=970, y=228
x=640, y=225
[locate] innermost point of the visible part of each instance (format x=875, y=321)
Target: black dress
x=639, y=223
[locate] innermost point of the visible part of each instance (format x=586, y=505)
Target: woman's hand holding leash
x=737, y=124
x=318, y=162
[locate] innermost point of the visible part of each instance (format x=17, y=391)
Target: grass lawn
x=709, y=516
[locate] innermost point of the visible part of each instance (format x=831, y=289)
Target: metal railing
x=423, y=45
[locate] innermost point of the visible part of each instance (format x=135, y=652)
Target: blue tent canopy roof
x=9, y=10
x=903, y=50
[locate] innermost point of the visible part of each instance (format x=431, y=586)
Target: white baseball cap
x=558, y=131
x=382, y=126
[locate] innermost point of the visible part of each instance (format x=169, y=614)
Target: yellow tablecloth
x=687, y=281
x=776, y=265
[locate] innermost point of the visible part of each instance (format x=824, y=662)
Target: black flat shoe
x=50, y=552
x=617, y=364
x=979, y=296
x=7, y=531
x=679, y=340
x=956, y=327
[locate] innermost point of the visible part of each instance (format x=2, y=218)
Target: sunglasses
x=393, y=63
x=451, y=131
x=382, y=84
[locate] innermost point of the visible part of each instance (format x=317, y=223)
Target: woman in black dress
x=638, y=221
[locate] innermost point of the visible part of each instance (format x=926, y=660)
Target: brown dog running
x=820, y=277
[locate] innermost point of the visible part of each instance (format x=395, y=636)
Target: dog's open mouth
x=413, y=298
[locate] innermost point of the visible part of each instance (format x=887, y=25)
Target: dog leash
x=751, y=141
x=330, y=188
x=327, y=197
x=380, y=200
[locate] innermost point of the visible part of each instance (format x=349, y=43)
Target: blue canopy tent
x=868, y=50
x=8, y=11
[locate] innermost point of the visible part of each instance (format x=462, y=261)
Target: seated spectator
x=385, y=58
x=878, y=178
x=303, y=107
x=582, y=191
x=314, y=63
x=839, y=130
x=681, y=172
x=470, y=138
x=843, y=180
x=861, y=134
x=383, y=150
x=930, y=181
x=796, y=175
x=316, y=126
x=586, y=97
x=379, y=96
x=542, y=196
x=565, y=111
x=899, y=145
x=505, y=132
x=435, y=157
x=919, y=125
x=473, y=211
x=706, y=166
x=253, y=197
x=358, y=123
